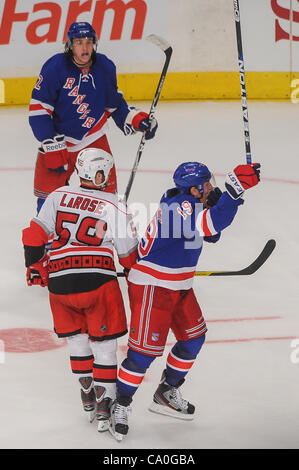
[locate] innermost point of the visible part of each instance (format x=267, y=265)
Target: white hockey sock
x=81, y=356
x=105, y=365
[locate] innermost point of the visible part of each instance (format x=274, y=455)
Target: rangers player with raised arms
x=86, y=302
x=75, y=94
x=160, y=286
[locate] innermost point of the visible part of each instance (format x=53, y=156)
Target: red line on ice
x=244, y=340
x=143, y=170
x=242, y=319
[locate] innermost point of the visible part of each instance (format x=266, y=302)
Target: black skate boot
x=168, y=401
x=88, y=396
x=120, y=411
x=103, y=405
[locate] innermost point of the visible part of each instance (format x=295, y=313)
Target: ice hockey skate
x=88, y=397
x=119, y=413
x=102, y=411
x=168, y=401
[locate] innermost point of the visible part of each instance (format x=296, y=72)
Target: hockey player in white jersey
x=86, y=302
x=160, y=286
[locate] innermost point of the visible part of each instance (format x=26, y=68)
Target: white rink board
x=202, y=33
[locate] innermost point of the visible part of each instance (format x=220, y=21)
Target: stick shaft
x=250, y=269
x=242, y=81
x=168, y=53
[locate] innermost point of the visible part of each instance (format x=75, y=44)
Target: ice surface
x=244, y=384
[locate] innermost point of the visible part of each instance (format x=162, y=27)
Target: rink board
x=178, y=86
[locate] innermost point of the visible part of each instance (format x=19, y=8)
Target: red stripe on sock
x=130, y=377
x=104, y=373
x=179, y=364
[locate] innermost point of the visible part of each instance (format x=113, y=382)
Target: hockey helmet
x=92, y=160
x=190, y=174
x=81, y=30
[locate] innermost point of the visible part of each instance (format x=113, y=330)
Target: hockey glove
x=242, y=178
x=213, y=197
x=55, y=153
x=141, y=122
x=37, y=274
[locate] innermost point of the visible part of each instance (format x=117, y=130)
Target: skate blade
x=117, y=436
x=164, y=410
x=103, y=425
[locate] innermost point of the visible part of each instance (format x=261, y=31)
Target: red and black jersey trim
x=76, y=283
x=81, y=261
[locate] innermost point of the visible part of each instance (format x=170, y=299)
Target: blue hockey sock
x=132, y=372
x=181, y=358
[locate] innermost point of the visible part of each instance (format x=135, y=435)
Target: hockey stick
x=252, y=268
x=167, y=49
x=242, y=81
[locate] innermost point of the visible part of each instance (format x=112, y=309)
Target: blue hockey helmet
x=190, y=174
x=81, y=29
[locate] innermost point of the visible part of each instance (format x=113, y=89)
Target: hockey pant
x=46, y=181
x=156, y=310
x=100, y=313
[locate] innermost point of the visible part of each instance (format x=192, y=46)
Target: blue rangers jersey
x=168, y=253
x=77, y=102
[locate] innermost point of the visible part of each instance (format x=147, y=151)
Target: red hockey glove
x=37, y=274
x=55, y=153
x=243, y=177
x=141, y=122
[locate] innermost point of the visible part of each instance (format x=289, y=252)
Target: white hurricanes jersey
x=88, y=225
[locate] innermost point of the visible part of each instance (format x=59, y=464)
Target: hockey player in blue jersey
x=75, y=94
x=160, y=286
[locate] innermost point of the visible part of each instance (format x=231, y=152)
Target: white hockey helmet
x=92, y=160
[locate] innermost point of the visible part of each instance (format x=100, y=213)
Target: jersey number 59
x=90, y=231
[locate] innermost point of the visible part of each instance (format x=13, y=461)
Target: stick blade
x=261, y=259
x=158, y=41
x=251, y=269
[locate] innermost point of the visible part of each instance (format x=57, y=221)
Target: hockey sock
x=181, y=358
x=105, y=365
x=132, y=372
x=81, y=356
